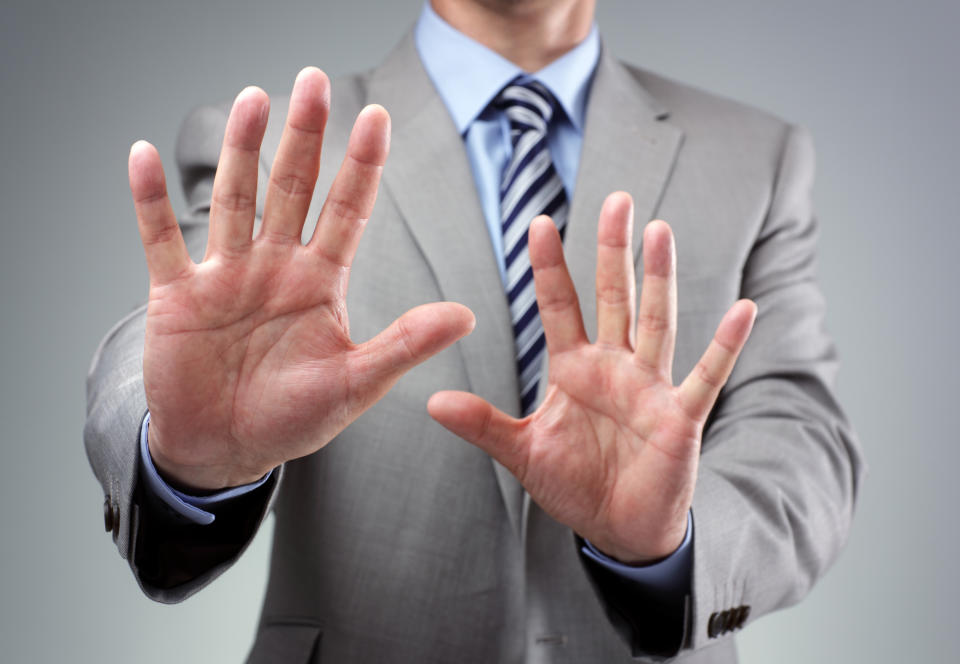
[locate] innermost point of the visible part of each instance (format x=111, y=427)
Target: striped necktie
x=530, y=186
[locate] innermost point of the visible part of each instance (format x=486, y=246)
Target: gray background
x=875, y=81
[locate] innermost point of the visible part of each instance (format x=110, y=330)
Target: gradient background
x=876, y=82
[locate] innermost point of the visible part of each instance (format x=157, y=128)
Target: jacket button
x=714, y=625
x=108, y=516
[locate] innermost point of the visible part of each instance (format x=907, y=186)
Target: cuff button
x=108, y=517
x=715, y=625
x=743, y=612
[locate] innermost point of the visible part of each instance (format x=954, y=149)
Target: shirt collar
x=468, y=75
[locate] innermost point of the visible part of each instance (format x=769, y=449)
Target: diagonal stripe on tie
x=530, y=186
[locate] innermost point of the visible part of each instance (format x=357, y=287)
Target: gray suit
x=400, y=542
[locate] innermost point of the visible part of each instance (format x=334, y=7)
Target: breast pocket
x=290, y=641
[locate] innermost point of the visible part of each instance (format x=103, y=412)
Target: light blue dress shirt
x=446, y=54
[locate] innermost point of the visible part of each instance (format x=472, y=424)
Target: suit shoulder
x=348, y=95
x=705, y=113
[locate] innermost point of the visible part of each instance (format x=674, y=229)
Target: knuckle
x=615, y=241
x=520, y=462
x=343, y=208
x=725, y=346
x=653, y=323
x=613, y=295
x=558, y=302
x=292, y=184
x=485, y=424
x=159, y=235
x=334, y=258
x=365, y=163
x=315, y=131
x=151, y=197
x=234, y=200
x=710, y=377
x=650, y=365
x=405, y=341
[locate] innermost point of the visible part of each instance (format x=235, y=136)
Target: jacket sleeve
x=170, y=558
x=780, y=465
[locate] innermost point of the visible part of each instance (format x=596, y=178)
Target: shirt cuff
x=670, y=575
x=188, y=506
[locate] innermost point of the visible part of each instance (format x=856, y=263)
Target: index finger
x=557, y=301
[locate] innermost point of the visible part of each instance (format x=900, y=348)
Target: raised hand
x=248, y=361
x=612, y=451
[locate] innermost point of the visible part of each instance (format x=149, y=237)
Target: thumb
x=478, y=422
x=411, y=339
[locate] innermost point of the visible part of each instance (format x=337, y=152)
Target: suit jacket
x=400, y=542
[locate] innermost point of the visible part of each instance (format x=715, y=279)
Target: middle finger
x=295, y=168
x=616, y=289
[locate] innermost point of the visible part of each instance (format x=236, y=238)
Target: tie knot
x=528, y=105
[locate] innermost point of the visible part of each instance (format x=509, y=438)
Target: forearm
x=780, y=464
x=777, y=485
x=115, y=406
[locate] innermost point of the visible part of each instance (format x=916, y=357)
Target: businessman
x=542, y=490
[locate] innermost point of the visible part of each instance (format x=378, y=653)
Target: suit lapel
x=429, y=176
x=626, y=146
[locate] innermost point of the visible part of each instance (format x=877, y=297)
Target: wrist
x=653, y=551
x=194, y=478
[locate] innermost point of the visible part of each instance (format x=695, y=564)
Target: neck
x=529, y=33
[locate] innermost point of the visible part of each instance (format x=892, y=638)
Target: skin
x=248, y=361
x=529, y=33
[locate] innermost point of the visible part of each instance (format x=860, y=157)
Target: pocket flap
x=287, y=642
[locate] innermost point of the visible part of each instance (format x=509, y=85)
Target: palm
x=590, y=449
x=612, y=451
x=248, y=360
x=249, y=351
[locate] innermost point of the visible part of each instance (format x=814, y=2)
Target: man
x=622, y=515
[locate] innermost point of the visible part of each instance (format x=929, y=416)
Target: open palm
x=613, y=449
x=248, y=360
